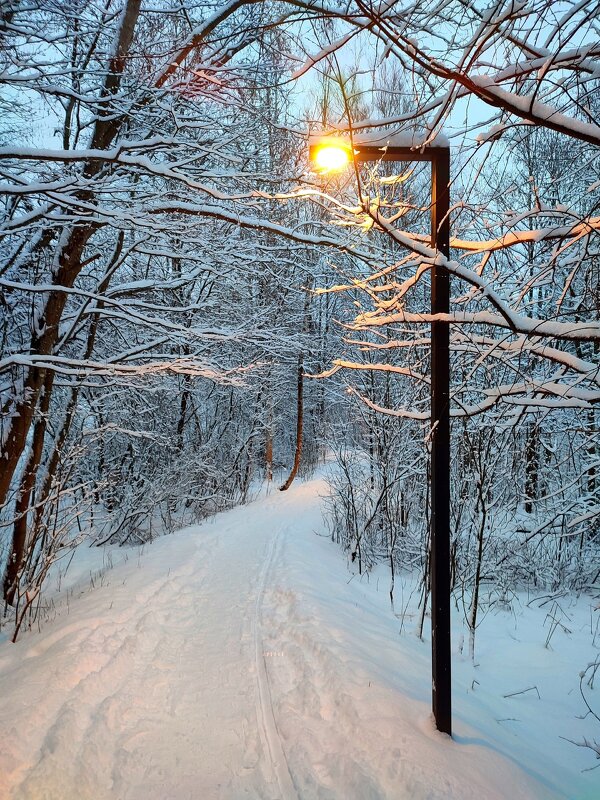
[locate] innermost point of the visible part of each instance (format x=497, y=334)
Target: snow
x=528, y=107
x=409, y=139
x=521, y=323
x=241, y=659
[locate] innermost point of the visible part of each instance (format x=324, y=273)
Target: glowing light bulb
x=332, y=157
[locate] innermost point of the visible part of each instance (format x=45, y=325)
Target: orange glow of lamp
x=331, y=156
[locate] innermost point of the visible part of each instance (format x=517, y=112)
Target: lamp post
x=335, y=154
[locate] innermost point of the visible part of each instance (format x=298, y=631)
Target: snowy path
x=233, y=660
x=165, y=694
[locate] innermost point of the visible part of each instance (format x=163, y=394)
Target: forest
x=189, y=308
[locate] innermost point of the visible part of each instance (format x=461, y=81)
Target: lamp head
x=331, y=155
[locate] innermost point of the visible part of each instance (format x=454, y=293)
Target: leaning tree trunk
x=299, y=425
x=269, y=439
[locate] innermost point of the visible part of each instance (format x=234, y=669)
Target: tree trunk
x=532, y=465
x=269, y=449
x=475, y=600
x=299, y=425
x=23, y=502
x=48, y=314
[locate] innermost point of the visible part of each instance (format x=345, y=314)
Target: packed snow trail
x=233, y=660
x=160, y=693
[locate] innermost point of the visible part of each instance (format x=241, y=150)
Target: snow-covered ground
x=240, y=659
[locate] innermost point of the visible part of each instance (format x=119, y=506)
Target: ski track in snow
x=235, y=662
x=269, y=727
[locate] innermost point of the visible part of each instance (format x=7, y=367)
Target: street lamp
x=331, y=155
x=438, y=154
